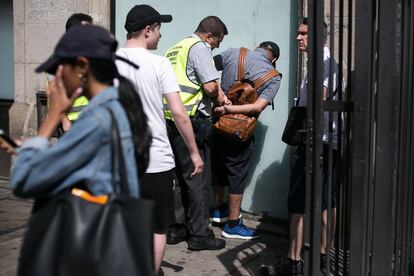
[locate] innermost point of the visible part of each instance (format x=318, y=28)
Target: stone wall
x=38, y=25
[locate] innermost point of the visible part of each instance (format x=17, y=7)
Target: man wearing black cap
x=231, y=159
x=154, y=81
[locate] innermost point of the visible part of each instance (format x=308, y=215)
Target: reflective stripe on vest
x=78, y=105
x=191, y=93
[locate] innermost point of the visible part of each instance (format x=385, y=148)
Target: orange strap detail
x=101, y=199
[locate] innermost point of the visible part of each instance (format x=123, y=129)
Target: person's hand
x=219, y=111
x=8, y=148
x=60, y=102
x=222, y=99
x=198, y=164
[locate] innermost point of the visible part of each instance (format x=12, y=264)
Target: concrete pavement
x=238, y=258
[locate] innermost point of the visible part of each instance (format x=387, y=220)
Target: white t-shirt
x=154, y=78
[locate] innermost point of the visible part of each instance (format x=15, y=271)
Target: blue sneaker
x=240, y=231
x=221, y=214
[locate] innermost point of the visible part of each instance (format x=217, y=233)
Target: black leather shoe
x=176, y=234
x=283, y=267
x=209, y=242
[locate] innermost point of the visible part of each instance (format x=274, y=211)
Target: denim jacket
x=82, y=155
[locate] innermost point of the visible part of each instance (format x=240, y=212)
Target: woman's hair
x=105, y=71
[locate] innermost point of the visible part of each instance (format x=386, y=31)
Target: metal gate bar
x=375, y=226
x=386, y=123
x=312, y=235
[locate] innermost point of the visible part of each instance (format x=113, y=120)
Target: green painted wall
x=6, y=50
x=249, y=22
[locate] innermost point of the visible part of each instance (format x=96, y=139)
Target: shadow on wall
x=273, y=180
x=259, y=137
x=272, y=186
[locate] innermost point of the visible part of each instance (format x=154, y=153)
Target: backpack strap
x=263, y=79
x=242, y=58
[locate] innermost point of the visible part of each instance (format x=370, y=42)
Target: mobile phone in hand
x=6, y=139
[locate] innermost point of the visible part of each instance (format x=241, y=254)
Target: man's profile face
x=154, y=35
x=214, y=41
x=302, y=37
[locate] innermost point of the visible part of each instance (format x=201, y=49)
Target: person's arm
x=325, y=93
x=221, y=96
x=270, y=90
x=39, y=167
x=183, y=124
x=204, y=68
x=326, y=76
x=247, y=109
x=218, y=62
x=211, y=88
x=59, y=104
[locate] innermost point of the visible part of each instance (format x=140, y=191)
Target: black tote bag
x=295, y=128
x=68, y=235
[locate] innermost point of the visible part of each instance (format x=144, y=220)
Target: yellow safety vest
x=191, y=93
x=79, y=104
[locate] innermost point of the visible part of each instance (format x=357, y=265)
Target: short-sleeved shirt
x=332, y=93
x=256, y=65
x=154, y=79
x=201, y=69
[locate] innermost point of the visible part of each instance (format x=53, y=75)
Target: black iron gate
x=375, y=189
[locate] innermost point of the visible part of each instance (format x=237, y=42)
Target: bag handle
x=263, y=79
x=117, y=157
x=242, y=58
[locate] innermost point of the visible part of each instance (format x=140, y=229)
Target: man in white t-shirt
x=154, y=80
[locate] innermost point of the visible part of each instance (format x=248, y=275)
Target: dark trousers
x=297, y=187
x=191, y=193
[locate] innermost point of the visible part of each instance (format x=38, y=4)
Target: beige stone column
x=38, y=25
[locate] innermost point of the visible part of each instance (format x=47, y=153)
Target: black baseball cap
x=84, y=40
x=141, y=16
x=272, y=47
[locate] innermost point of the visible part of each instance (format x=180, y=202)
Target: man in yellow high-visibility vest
x=81, y=102
x=197, y=77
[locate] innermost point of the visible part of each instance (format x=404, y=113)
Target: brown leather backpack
x=240, y=127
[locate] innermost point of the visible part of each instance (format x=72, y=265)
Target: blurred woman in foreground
x=70, y=241
x=83, y=64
